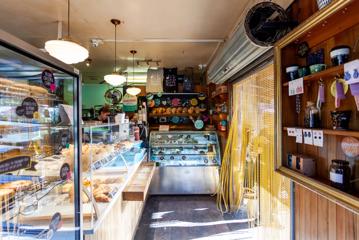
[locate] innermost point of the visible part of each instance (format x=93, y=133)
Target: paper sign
x=165, y=128
x=299, y=135
x=291, y=132
x=318, y=138
x=296, y=87
x=351, y=72
x=308, y=136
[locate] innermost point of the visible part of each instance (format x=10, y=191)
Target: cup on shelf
x=340, y=119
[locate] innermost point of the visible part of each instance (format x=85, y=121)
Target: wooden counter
x=122, y=219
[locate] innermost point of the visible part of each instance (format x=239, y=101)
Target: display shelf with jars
x=317, y=104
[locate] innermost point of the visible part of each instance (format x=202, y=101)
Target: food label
x=318, y=138
x=296, y=87
x=336, y=177
x=14, y=164
x=291, y=132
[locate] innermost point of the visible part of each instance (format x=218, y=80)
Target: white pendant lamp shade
x=133, y=91
x=115, y=79
x=66, y=51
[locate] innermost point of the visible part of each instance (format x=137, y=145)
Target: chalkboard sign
x=14, y=164
x=65, y=173
x=187, y=85
x=170, y=79
x=28, y=108
x=48, y=79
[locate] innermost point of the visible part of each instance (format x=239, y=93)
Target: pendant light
x=133, y=90
x=115, y=79
x=65, y=49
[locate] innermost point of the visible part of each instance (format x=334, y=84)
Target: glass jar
x=312, y=116
x=339, y=174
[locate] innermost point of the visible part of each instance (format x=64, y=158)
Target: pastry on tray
x=19, y=185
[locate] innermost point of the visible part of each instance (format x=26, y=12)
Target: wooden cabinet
x=336, y=24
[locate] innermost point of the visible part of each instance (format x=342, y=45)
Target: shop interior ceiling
x=180, y=33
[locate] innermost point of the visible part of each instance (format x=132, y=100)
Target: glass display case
x=109, y=161
x=39, y=113
x=188, y=161
x=184, y=148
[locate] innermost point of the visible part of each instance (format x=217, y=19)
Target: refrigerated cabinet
x=187, y=162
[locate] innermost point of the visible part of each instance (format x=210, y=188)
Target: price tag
x=299, y=135
x=308, y=136
x=165, y=128
x=56, y=222
x=318, y=138
x=65, y=172
x=291, y=132
x=296, y=87
x=28, y=108
x=48, y=80
x=14, y=164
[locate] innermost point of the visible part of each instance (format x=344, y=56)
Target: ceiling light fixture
x=115, y=79
x=65, y=49
x=133, y=90
x=88, y=62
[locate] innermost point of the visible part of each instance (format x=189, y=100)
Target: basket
x=323, y=3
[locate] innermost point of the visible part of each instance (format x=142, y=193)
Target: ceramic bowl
x=317, y=68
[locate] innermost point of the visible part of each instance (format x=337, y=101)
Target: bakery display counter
x=188, y=162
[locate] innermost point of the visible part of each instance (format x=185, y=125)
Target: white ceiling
x=35, y=21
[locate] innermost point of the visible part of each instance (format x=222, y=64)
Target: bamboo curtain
x=251, y=180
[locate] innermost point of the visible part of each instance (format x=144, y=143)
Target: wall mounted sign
x=28, y=108
x=48, y=80
x=14, y=164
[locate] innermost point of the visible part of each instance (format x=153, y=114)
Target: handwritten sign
x=14, y=164
x=296, y=87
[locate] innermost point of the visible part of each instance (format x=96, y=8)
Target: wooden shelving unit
x=326, y=74
x=175, y=114
x=337, y=24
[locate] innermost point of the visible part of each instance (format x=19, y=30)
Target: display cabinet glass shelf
x=313, y=148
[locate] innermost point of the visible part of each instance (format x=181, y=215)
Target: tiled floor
x=189, y=217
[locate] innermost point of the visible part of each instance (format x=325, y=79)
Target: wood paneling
x=318, y=218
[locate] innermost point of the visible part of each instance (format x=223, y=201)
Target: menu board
x=170, y=79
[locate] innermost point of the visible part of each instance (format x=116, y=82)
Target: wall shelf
x=344, y=133
x=330, y=72
x=324, y=31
